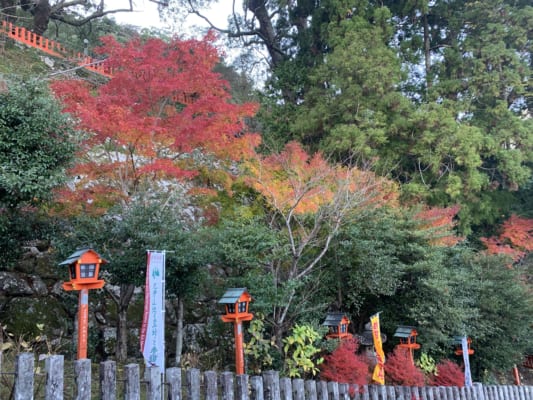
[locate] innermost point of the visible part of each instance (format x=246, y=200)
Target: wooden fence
x=211, y=385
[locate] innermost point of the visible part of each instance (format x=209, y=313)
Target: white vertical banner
x=466, y=361
x=153, y=325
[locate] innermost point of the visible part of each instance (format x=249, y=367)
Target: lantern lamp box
x=458, y=342
x=236, y=301
x=84, y=267
x=407, y=335
x=337, y=322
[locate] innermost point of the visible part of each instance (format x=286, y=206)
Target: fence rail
x=191, y=384
x=53, y=48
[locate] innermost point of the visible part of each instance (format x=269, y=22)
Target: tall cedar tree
x=162, y=111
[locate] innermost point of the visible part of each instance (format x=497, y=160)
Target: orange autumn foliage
x=440, y=221
x=297, y=183
x=515, y=239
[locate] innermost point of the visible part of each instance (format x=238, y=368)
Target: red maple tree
x=344, y=365
x=448, y=374
x=164, y=116
x=400, y=370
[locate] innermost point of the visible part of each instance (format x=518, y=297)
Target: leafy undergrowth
x=20, y=60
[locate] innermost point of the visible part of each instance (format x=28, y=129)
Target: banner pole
x=163, y=311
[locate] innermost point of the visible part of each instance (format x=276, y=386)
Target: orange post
x=83, y=267
x=236, y=301
x=239, y=349
x=516, y=376
x=83, y=323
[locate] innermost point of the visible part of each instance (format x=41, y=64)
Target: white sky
x=146, y=14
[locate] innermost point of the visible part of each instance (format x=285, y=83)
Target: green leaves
x=300, y=351
x=36, y=144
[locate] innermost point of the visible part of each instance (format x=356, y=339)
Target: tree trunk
x=179, y=330
x=126, y=293
x=427, y=51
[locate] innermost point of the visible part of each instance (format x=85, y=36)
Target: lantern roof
x=458, y=339
x=233, y=295
x=78, y=254
x=334, y=319
x=366, y=338
x=404, y=331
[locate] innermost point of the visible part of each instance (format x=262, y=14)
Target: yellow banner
x=379, y=370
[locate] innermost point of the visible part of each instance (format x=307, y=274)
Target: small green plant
x=427, y=364
x=258, y=348
x=300, y=351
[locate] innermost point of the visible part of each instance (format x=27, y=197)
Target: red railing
x=53, y=48
x=56, y=49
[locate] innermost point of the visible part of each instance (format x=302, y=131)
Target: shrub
x=448, y=374
x=344, y=365
x=400, y=370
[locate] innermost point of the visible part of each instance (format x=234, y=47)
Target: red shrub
x=448, y=374
x=344, y=365
x=399, y=369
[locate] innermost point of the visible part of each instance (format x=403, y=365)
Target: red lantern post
x=83, y=266
x=237, y=301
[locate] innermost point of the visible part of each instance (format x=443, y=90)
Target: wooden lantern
x=83, y=267
x=337, y=323
x=236, y=301
x=407, y=336
x=458, y=342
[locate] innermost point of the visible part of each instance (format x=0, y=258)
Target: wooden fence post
x=82, y=379
x=415, y=393
x=333, y=390
x=132, y=384
x=322, y=390
x=285, y=388
x=364, y=393
x=310, y=390
x=391, y=393
x=271, y=385
x=343, y=391
x=399, y=393
x=24, y=364
x=53, y=366
x=108, y=380
x=154, y=383
x=428, y=392
x=373, y=392
x=174, y=383
x=298, y=389
x=226, y=384
x=256, y=388
x=192, y=381
x=241, y=388
x=211, y=385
